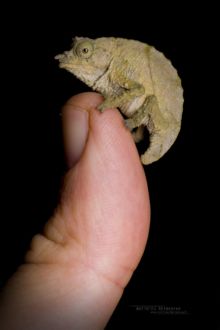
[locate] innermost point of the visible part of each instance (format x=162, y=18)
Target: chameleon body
x=137, y=79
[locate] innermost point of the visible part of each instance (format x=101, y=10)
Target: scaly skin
x=137, y=79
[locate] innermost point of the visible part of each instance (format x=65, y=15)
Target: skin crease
x=75, y=272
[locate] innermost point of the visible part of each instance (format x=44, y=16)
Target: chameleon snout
x=64, y=59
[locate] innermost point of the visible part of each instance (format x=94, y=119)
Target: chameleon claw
x=129, y=124
x=101, y=108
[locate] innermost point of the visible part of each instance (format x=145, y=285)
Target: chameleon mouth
x=63, y=65
x=64, y=61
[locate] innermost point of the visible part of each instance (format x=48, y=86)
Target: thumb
x=76, y=270
x=105, y=192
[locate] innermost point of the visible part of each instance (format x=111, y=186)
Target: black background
x=175, y=269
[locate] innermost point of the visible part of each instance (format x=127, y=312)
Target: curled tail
x=160, y=141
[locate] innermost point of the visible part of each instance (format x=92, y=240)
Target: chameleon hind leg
x=163, y=131
x=138, y=135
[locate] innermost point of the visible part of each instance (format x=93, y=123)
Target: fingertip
x=86, y=101
x=103, y=134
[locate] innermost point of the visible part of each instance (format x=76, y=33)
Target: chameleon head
x=88, y=59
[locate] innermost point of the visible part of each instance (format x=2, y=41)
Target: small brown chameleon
x=137, y=79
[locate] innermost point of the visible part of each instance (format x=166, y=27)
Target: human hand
x=75, y=272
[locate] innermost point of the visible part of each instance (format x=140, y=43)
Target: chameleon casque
x=137, y=79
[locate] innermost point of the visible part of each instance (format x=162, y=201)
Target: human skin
x=76, y=270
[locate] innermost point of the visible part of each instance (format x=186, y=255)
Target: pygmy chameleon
x=137, y=79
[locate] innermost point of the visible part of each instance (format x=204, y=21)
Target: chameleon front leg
x=128, y=90
x=163, y=132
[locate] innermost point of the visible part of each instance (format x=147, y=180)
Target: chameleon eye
x=84, y=49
